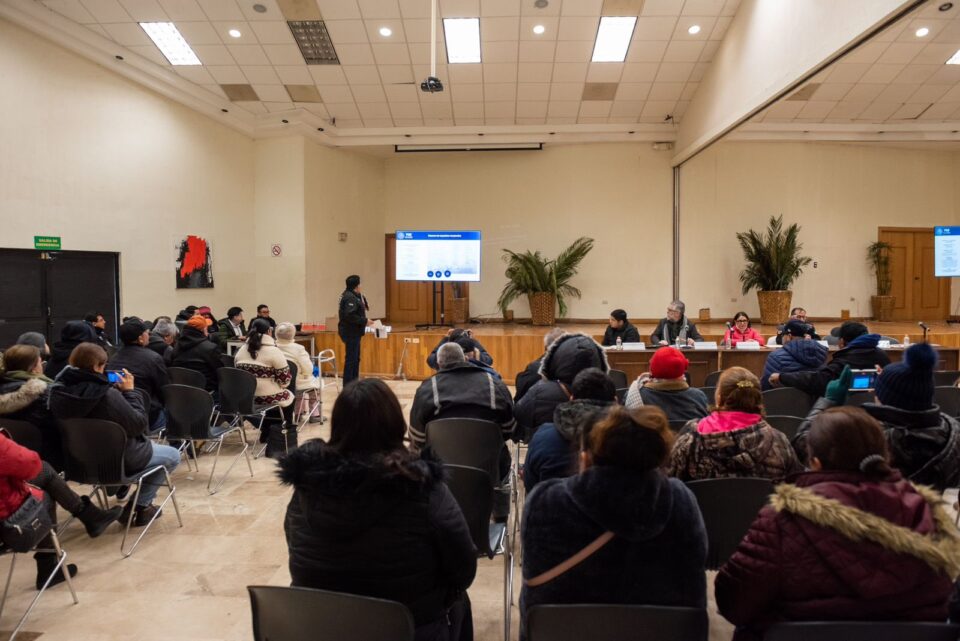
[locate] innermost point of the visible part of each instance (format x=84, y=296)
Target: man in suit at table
x=676, y=327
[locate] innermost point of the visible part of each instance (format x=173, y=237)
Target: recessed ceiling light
x=463, y=39
x=170, y=43
x=538, y=29
x=386, y=32
x=954, y=59
x=259, y=8
x=922, y=31
x=694, y=30
x=235, y=33
x=613, y=39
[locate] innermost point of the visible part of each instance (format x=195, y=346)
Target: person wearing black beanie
x=924, y=442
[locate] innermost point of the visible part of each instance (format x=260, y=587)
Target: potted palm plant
x=878, y=257
x=774, y=262
x=545, y=282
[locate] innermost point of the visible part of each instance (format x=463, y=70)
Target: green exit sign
x=46, y=242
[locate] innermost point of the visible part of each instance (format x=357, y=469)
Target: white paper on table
x=705, y=345
x=752, y=345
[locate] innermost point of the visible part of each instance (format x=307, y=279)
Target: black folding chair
x=863, y=631
x=856, y=399
x=946, y=378
x=227, y=360
x=616, y=623
x=619, y=378
x=23, y=433
x=948, y=398
x=677, y=425
x=237, y=391
x=189, y=412
x=293, y=614
x=712, y=378
x=787, y=401
x=184, y=376
x=94, y=455
x=786, y=424
x=710, y=392
x=728, y=506
x=622, y=394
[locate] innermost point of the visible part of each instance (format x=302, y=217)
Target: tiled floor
x=189, y=583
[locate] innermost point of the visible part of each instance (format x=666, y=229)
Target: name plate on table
x=705, y=345
x=626, y=347
x=752, y=345
x=883, y=344
x=824, y=343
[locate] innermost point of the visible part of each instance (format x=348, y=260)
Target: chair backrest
x=622, y=394
x=618, y=377
x=786, y=424
x=787, y=401
x=713, y=377
x=189, y=410
x=23, y=433
x=616, y=623
x=237, y=389
x=728, y=507
x=294, y=372
x=709, y=391
x=862, y=631
x=283, y=613
x=467, y=441
x=856, y=399
x=946, y=378
x=473, y=490
x=948, y=398
x=677, y=424
x=184, y=376
x=227, y=360
x=93, y=450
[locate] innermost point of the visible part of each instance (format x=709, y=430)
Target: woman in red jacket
x=22, y=473
x=742, y=330
x=850, y=540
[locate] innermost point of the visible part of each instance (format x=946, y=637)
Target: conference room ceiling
x=524, y=79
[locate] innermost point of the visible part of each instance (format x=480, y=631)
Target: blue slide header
x=946, y=231
x=438, y=235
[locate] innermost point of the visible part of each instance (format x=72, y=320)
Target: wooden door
x=919, y=294
x=411, y=301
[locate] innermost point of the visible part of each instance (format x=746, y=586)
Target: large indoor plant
x=878, y=257
x=545, y=282
x=773, y=264
x=459, y=304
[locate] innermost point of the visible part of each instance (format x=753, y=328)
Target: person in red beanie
x=666, y=387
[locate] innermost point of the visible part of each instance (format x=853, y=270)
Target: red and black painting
x=194, y=263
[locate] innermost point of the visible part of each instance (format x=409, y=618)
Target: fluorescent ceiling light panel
x=463, y=39
x=170, y=43
x=954, y=59
x=613, y=39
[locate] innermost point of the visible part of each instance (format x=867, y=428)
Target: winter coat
x=924, y=445
x=381, y=528
x=353, y=314
x=836, y=546
x=566, y=357
x=17, y=466
x=74, y=333
x=149, y=373
x=733, y=336
x=756, y=450
x=80, y=393
x=554, y=449
x=225, y=333
x=676, y=398
x=657, y=554
x=627, y=334
x=485, y=358
x=861, y=353
x=194, y=351
x=272, y=372
x=668, y=330
x=297, y=353
x=461, y=391
x=527, y=379
x=26, y=400
x=797, y=355
x=158, y=345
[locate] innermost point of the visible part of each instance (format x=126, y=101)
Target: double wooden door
x=919, y=294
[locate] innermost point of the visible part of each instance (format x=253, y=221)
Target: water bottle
x=906, y=340
x=619, y=343
x=316, y=370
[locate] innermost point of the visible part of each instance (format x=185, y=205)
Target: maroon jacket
x=824, y=550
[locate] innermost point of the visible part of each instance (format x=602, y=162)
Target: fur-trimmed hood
x=18, y=395
x=569, y=355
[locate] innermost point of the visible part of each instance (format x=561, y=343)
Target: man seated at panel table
x=798, y=314
x=452, y=337
x=620, y=328
x=675, y=327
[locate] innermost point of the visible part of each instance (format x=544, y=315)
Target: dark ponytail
x=258, y=328
x=848, y=439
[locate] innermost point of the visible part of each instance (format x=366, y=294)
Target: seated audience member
x=185, y=314
x=194, y=351
x=261, y=357
x=207, y=313
x=72, y=334
x=800, y=353
x=147, y=367
x=666, y=387
x=620, y=327
x=742, y=330
x=676, y=327
x=22, y=474
x=472, y=352
x=858, y=349
x=849, y=540
x=531, y=373
x=306, y=382
x=85, y=392
x=263, y=311
x=452, y=337
x=23, y=397
x=924, y=443
x=554, y=448
x=369, y=517
x=648, y=545
x=734, y=440
x=797, y=314
x=37, y=340
x=99, y=325
x=162, y=337
x=569, y=355
x=231, y=328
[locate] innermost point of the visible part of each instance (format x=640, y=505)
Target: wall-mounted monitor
x=438, y=255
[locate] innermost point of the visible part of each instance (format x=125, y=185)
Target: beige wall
x=108, y=166
x=839, y=193
x=619, y=194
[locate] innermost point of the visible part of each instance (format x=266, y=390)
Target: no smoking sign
x=276, y=250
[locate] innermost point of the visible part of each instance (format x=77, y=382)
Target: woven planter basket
x=774, y=306
x=459, y=310
x=542, y=308
x=882, y=307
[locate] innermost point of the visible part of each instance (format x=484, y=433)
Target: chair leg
x=170, y=496
x=507, y=589
x=6, y=588
x=60, y=567
x=232, y=463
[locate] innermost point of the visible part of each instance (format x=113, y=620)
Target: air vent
x=240, y=93
x=303, y=93
x=805, y=93
x=314, y=42
x=600, y=90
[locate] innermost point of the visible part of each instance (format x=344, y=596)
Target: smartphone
x=114, y=376
x=863, y=380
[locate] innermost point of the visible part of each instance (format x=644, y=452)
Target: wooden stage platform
x=513, y=346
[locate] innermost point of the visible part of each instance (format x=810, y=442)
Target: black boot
x=46, y=561
x=279, y=439
x=95, y=519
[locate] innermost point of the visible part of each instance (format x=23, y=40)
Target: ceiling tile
x=551, y=25
x=946, y=75
x=315, y=108
x=272, y=93
x=500, y=91
x=847, y=110
x=153, y=54
x=604, y=71
x=654, y=28
x=408, y=122
x=935, y=54
x=213, y=55
x=367, y=94
x=362, y=74
x=847, y=72
x=260, y=75
x=391, y=54
x=901, y=52
x=405, y=110
x=106, y=10
x=418, y=30
x=572, y=51
x=916, y=74
x=533, y=91
x=833, y=90
x=379, y=8
x=467, y=93
x=878, y=111
x=581, y=8
x=272, y=10
x=284, y=54
x=499, y=8
x=531, y=121
x=662, y=8
x=562, y=120
x=647, y=51
x=658, y=109
x=674, y=71
x=251, y=107
x=896, y=93
x=633, y=90
x=626, y=108
x=178, y=10
x=460, y=8
x=466, y=73
x=377, y=123
x=144, y=10
x=817, y=109
x=531, y=109
x=703, y=7
x=930, y=93
x=294, y=75
x=199, y=33
x=689, y=91
x=127, y=33
x=783, y=110
x=72, y=9
x=503, y=109
x=249, y=55
x=335, y=94
x=499, y=121
x=561, y=91
x=881, y=73
x=909, y=111
x=497, y=29
x=272, y=33
x=327, y=74
x=100, y=31
x=578, y=28
x=699, y=69
x=680, y=51
x=563, y=109
x=396, y=73
x=540, y=51
x=665, y=91
x=342, y=110
x=355, y=54
x=241, y=92
x=402, y=93
x=863, y=93
x=941, y=111
x=569, y=72
x=494, y=52
x=467, y=110
x=395, y=25
x=420, y=54
x=730, y=8
x=436, y=110
x=595, y=108
x=867, y=52
x=500, y=72
x=221, y=9
x=534, y=72
x=195, y=74
x=247, y=35
x=681, y=33
x=420, y=72
x=347, y=32
x=339, y=9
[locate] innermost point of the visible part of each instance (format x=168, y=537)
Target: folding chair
x=23, y=433
x=862, y=631
x=948, y=398
x=184, y=376
x=728, y=506
x=300, y=398
x=713, y=377
x=619, y=378
x=946, y=378
x=787, y=401
x=616, y=623
x=786, y=424
x=710, y=391
x=237, y=391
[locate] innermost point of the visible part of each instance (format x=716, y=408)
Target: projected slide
x=946, y=250
x=438, y=255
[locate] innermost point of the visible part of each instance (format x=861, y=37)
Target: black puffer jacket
x=158, y=345
x=380, y=527
x=73, y=333
x=194, y=351
x=149, y=373
x=81, y=393
x=26, y=400
x=527, y=378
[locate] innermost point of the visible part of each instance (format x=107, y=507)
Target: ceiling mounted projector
x=431, y=85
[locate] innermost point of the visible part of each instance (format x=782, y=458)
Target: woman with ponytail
x=734, y=440
x=261, y=357
x=850, y=540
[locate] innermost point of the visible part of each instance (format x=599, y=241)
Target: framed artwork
x=194, y=263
